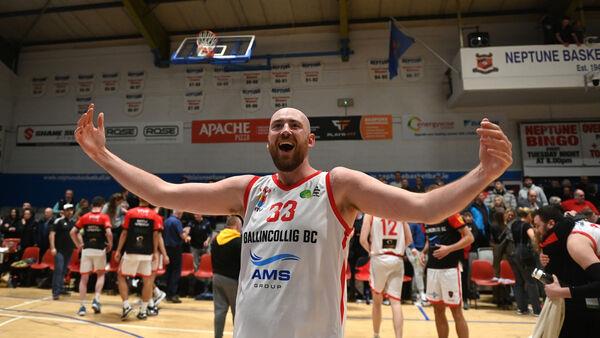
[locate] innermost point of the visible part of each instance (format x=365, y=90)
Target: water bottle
x=542, y=276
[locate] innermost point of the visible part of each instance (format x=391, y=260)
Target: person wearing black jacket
x=581, y=310
x=226, y=250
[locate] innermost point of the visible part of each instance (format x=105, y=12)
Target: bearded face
x=289, y=140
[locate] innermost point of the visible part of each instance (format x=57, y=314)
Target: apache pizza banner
x=560, y=145
x=521, y=67
x=371, y=127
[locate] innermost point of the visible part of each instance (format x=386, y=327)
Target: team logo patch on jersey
x=306, y=193
x=274, y=279
x=316, y=192
x=259, y=261
x=262, y=199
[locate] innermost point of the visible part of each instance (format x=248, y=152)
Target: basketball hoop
x=206, y=42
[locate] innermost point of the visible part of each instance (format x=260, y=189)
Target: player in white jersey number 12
x=293, y=272
x=389, y=240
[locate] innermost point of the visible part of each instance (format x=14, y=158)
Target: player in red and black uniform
x=445, y=244
x=95, y=229
x=139, y=242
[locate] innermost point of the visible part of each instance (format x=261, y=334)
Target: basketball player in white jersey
x=389, y=240
x=292, y=279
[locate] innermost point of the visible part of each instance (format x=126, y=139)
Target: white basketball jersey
x=293, y=269
x=387, y=237
x=591, y=231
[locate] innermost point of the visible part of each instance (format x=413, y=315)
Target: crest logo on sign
x=485, y=64
x=341, y=124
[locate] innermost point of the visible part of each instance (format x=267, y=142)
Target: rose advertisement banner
x=85, y=84
x=221, y=78
x=230, y=131
x=61, y=85
x=38, y=86
x=251, y=79
x=251, y=99
x=135, y=81
x=83, y=104
x=368, y=127
x=193, y=102
x=194, y=78
x=311, y=72
x=110, y=83
x=281, y=97
x=411, y=68
x=134, y=104
x=378, y=70
x=590, y=142
x=281, y=74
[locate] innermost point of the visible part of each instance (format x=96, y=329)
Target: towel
x=550, y=320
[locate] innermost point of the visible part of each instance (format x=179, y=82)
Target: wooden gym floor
x=30, y=312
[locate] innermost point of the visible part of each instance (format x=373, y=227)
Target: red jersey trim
x=551, y=239
x=594, y=244
x=338, y=215
x=247, y=192
x=343, y=288
x=295, y=185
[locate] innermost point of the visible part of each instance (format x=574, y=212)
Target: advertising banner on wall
x=193, y=102
x=61, y=85
x=85, y=84
x=38, y=86
x=310, y=72
x=251, y=79
x=83, y=104
x=229, y=131
x=110, y=83
x=281, y=97
x=135, y=81
x=378, y=70
x=411, y=68
x=436, y=127
x=194, y=78
x=251, y=99
x=222, y=79
x=63, y=135
x=281, y=74
x=369, y=127
x=560, y=148
x=134, y=104
x=327, y=128
x=520, y=67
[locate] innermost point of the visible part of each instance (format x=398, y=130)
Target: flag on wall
x=399, y=44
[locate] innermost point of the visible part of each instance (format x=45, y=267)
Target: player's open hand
x=91, y=138
x=495, y=150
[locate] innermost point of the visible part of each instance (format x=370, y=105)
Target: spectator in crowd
x=497, y=206
x=481, y=218
x=226, y=255
x=67, y=199
x=61, y=247
x=130, y=200
x=510, y=201
x=29, y=229
x=554, y=201
x=439, y=181
x=43, y=230
x=11, y=225
x=532, y=200
x=200, y=233
x=522, y=199
x=523, y=262
x=397, y=182
x=470, y=253
x=503, y=248
x=413, y=253
x=174, y=235
x=116, y=211
x=419, y=184
x=83, y=207
x=567, y=193
x=579, y=31
x=564, y=33
x=25, y=206
x=578, y=203
x=588, y=187
x=554, y=189
x=547, y=23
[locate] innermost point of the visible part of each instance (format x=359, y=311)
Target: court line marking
x=29, y=302
x=10, y=321
x=130, y=326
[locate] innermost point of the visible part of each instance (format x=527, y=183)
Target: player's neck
x=290, y=178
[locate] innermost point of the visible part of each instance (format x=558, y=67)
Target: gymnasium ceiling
x=45, y=22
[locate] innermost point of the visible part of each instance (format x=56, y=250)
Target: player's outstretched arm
x=223, y=197
x=356, y=190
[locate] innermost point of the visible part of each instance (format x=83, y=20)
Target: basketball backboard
x=228, y=50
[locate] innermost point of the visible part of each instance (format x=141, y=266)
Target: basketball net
x=206, y=42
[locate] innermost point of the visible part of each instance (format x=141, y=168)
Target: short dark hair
x=98, y=201
x=550, y=212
